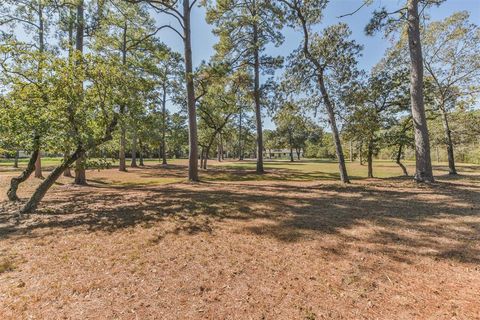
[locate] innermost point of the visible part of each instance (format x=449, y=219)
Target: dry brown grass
x=142, y=245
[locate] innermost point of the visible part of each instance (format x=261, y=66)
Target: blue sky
x=374, y=47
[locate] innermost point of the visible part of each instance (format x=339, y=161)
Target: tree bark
x=370, y=159
x=256, y=93
x=328, y=104
x=42, y=189
x=398, y=160
x=67, y=172
x=351, y=151
x=134, y=150
x=122, y=166
x=360, y=153
x=38, y=166
x=423, y=171
x=448, y=141
x=80, y=170
x=336, y=136
x=80, y=174
x=205, y=159
x=164, y=125
x=15, y=162
x=240, y=145
x=192, y=114
x=15, y=182
x=220, y=148
x=202, y=152
x=141, y=152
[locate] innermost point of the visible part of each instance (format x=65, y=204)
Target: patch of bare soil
x=376, y=249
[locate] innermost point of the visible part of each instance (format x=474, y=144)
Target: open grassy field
x=291, y=244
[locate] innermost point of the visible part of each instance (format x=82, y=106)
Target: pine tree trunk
x=258, y=110
x=164, y=125
x=121, y=155
x=370, y=159
x=141, y=153
x=360, y=154
x=423, y=171
x=41, y=41
x=122, y=166
x=449, y=143
x=134, y=150
x=42, y=189
x=80, y=174
x=336, y=136
x=192, y=117
x=240, y=145
x=326, y=99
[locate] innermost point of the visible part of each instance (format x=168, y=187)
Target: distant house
x=281, y=153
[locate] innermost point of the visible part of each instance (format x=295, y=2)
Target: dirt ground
x=127, y=248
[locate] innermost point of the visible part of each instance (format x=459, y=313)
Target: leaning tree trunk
x=15, y=182
x=192, y=117
x=370, y=159
x=449, y=143
x=336, y=136
x=423, y=171
x=399, y=162
x=42, y=189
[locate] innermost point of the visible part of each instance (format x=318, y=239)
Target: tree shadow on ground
x=402, y=219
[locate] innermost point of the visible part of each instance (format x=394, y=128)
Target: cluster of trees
x=90, y=78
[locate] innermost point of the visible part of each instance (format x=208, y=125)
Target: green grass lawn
x=48, y=162
x=304, y=170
